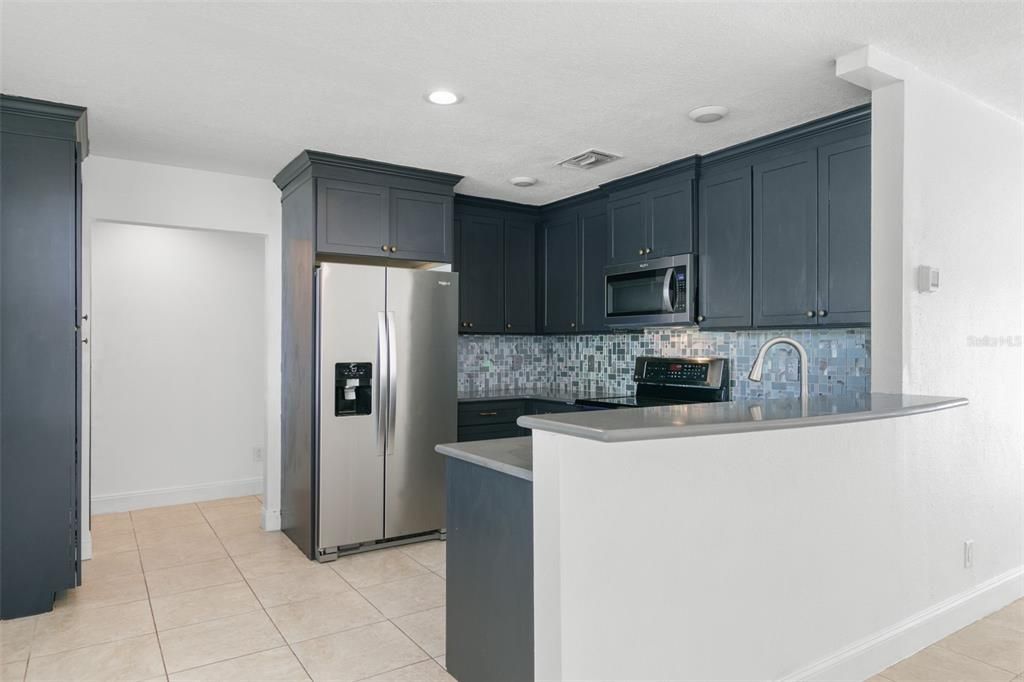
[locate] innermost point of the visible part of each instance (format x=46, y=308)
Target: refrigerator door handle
x=381, y=383
x=392, y=384
x=318, y=360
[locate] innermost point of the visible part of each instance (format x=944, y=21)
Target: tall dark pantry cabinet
x=42, y=145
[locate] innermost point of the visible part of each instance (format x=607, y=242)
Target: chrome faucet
x=758, y=367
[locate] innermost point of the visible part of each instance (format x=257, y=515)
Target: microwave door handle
x=668, y=291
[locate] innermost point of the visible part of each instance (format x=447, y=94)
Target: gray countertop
x=557, y=395
x=513, y=456
x=705, y=419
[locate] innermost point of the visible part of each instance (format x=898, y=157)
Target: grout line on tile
x=264, y=608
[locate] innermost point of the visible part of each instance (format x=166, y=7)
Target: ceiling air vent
x=592, y=158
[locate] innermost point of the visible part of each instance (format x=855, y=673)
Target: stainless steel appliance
x=673, y=381
x=658, y=292
x=386, y=395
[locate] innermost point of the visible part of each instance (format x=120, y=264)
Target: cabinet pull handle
x=384, y=247
x=394, y=248
x=488, y=414
x=822, y=313
x=810, y=313
x=700, y=318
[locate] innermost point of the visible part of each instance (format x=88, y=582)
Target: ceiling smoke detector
x=708, y=114
x=592, y=158
x=523, y=181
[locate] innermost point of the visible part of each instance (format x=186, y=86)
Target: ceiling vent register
x=592, y=158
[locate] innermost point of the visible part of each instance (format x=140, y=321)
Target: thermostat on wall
x=927, y=279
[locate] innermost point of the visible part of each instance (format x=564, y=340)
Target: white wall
x=117, y=190
x=818, y=553
x=825, y=553
x=178, y=350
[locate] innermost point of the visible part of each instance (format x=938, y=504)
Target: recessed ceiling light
x=709, y=114
x=443, y=97
x=523, y=181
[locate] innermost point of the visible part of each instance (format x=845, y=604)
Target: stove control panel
x=698, y=372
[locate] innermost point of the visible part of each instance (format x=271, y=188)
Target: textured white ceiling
x=243, y=87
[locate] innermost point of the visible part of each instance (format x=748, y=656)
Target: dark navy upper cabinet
x=420, y=226
x=373, y=209
x=651, y=215
x=593, y=235
x=560, y=260
x=724, y=258
x=352, y=218
x=480, y=265
x=520, y=275
x=785, y=223
x=496, y=258
x=844, y=232
x=627, y=228
x=671, y=218
x=573, y=254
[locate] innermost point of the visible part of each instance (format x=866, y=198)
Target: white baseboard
x=85, y=550
x=875, y=653
x=271, y=519
x=162, y=497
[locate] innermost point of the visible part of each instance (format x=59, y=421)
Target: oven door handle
x=668, y=291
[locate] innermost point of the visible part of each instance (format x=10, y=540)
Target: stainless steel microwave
x=656, y=293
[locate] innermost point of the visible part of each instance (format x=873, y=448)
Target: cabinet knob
x=394, y=248
x=700, y=318
x=508, y=326
x=647, y=250
x=640, y=252
x=384, y=248
x=572, y=324
x=465, y=324
x=810, y=313
x=470, y=325
x=822, y=313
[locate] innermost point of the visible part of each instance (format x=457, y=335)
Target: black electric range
x=672, y=381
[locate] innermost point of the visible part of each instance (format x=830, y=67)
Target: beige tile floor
x=199, y=592
x=991, y=649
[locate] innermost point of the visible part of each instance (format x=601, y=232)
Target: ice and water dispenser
x=352, y=392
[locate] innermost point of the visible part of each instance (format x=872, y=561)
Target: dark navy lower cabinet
x=40, y=255
x=489, y=612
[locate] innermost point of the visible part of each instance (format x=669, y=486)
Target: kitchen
x=559, y=327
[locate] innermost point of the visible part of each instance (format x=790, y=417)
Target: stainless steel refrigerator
x=386, y=354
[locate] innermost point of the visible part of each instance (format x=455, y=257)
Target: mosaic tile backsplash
x=840, y=360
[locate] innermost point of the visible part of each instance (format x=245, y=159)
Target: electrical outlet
x=968, y=553
x=257, y=454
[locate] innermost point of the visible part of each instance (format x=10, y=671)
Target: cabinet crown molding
x=309, y=159
x=46, y=113
x=837, y=121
